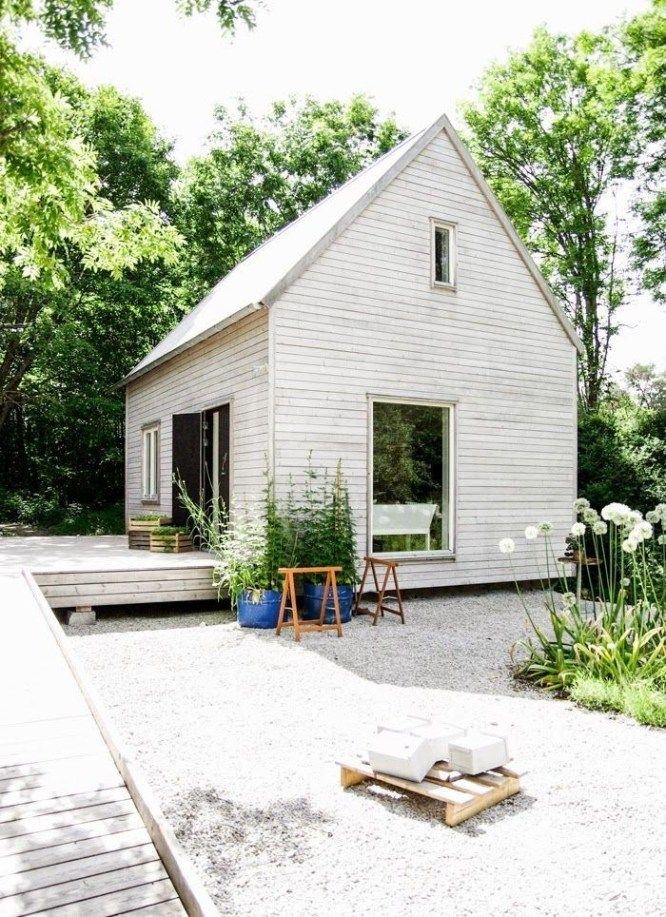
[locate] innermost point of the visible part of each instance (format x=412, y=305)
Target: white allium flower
x=581, y=504
x=634, y=517
x=569, y=599
x=629, y=545
x=661, y=539
x=507, y=546
x=660, y=509
x=626, y=581
x=644, y=529
x=599, y=528
x=531, y=532
x=653, y=516
x=615, y=512
x=590, y=516
x=545, y=528
x=578, y=530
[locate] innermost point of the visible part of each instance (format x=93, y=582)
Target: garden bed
x=238, y=733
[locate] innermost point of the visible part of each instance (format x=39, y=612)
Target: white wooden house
x=401, y=326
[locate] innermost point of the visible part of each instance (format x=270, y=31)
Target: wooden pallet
x=463, y=796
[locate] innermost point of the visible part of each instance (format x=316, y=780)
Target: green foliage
x=622, y=456
x=323, y=523
x=554, y=130
x=262, y=173
x=605, y=658
x=45, y=511
x=169, y=530
x=644, y=40
x=249, y=543
x=642, y=700
x=229, y=12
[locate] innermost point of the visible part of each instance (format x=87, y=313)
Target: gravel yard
x=238, y=732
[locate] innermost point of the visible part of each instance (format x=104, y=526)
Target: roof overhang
x=209, y=332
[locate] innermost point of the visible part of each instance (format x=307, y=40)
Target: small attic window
x=443, y=246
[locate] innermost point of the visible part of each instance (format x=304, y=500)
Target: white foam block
x=477, y=752
x=400, y=755
x=438, y=735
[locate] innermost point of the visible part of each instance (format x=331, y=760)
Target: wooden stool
x=390, y=566
x=289, y=595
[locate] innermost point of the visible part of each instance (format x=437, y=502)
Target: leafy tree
x=262, y=173
x=554, y=131
x=64, y=424
x=645, y=42
x=647, y=385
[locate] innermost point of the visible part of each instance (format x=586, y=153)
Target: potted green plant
x=327, y=537
x=249, y=545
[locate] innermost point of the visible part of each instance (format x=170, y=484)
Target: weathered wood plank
x=69, y=834
x=77, y=870
x=27, y=776
x=81, y=889
x=85, y=815
x=104, y=778
x=75, y=850
x=164, y=909
x=158, y=894
x=62, y=804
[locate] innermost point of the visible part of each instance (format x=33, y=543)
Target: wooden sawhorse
x=390, y=566
x=289, y=596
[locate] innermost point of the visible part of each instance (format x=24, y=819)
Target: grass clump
x=641, y=699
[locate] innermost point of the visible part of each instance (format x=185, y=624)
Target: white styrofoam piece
x=439, y=735
x=478, y=752
x=402, y=724
x=400, y=754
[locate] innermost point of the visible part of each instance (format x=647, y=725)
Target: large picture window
x=150, y=462
x=411, y=478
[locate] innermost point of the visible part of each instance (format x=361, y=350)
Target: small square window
x=443, y=254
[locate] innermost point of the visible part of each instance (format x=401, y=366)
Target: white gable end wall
x=230, y=366
x=364, y=320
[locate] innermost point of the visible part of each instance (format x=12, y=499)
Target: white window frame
x=447, y=553
x=453, y=254
x=150, y=463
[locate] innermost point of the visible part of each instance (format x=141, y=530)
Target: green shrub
x=324, y=525
x=596, y=693
x=614, y=658
x=641, y=699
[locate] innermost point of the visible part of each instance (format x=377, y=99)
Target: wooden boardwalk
x=90, y=571
x=72, y=839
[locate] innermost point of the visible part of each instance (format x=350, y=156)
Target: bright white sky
x=416, y=59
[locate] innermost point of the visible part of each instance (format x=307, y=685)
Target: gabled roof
x=260, y=278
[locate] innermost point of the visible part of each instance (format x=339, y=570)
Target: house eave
x=191, y=342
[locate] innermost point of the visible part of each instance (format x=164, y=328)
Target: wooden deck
x=79, y=832
x=88, y=571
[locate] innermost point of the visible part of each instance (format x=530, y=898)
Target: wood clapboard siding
x=230, y=366
x=363, y=319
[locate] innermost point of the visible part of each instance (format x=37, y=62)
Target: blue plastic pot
x=263, y=614
x=314, y=593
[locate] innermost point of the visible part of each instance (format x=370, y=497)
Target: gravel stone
x=238, y=733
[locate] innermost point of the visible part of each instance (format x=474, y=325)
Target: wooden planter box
x=176, y=543
x=138, y=531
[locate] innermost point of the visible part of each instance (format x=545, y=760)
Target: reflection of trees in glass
x=408, y=466
x=407, y=453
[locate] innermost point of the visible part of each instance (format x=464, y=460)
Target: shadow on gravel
x=453, y=642
x=419, y=808
x=226, y=839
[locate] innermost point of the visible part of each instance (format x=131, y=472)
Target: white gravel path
x=238, y=732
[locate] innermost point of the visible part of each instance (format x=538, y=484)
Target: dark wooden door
x=187, y=461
